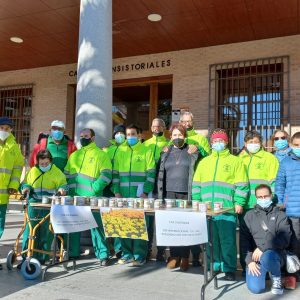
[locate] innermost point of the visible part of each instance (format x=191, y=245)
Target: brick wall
x=190, y=70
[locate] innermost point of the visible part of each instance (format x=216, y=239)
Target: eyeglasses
x=263, y=197
x=280, y=138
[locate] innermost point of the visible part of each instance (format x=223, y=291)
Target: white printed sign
x=174, y=228
x=70, y=218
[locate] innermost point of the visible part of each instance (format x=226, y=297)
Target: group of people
x=187, y=166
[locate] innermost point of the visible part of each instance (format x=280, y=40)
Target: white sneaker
x=277, y=288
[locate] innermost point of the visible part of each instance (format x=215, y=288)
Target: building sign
x=159, y=64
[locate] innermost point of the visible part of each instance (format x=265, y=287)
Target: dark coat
x=161, y=173
x=266, y=229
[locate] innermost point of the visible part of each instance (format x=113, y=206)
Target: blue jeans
x=270, y=261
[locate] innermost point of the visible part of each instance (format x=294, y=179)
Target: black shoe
x=229, y=276
x=268, y=276
x=119, y=254
x=1, y=268
x=160, y=257
x=104, y=262
x=196, y=263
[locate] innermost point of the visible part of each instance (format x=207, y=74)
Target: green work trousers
x=3, y=208
x=43, y=236
x=224, y=243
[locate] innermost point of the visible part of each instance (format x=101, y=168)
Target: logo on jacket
x=259, y=166
x=227, y=168
x=139, y=158
x=92, y=159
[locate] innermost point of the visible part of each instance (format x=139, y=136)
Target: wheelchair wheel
x=10, y=259
x=33, y=271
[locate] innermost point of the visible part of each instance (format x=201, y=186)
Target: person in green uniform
x=132, y=169
x=222, y=177
x=44, y=179
x=88, y=172
x=11, y=165
x=262, y=168
x=59, y=145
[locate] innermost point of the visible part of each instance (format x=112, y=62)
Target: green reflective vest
x=156, y=144
x=194, y=138
x=221, y=177
x=261, y=168
x=44, y=184
x=88, y=171
x=11, y=165
x=133, y=168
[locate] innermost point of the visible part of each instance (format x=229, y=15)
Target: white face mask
x=4, y=135
x=253, y=148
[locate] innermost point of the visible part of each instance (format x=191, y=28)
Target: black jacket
x=266, y=229
x=161, y=173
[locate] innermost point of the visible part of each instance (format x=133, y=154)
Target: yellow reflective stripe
x=132, y=173
x=18, y=168
x=3, y=191
x=14, y=178
x=4, y=170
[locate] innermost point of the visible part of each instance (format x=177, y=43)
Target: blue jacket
x=287, y=186
x=281, y=155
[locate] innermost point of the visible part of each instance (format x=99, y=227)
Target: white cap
x=58, y=123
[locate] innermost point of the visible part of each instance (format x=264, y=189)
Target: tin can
x=46, y=200
x=94, y=201
x=146, y=204
x=208, y=205
x=151, y=202
x=86, y=200
x=217, y=206
x=130, y=203
x=79, y=200
x=202, y=207
x=120, y=203
x=100, y=202
x=195, y=205
x=170, y=203
x=112, y=202
x=56, y=200
x=105, y=202
x=67, y=200
x=157, y=203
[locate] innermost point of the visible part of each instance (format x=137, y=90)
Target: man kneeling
x=265, y=235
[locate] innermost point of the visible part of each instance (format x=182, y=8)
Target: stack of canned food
x=139, y=203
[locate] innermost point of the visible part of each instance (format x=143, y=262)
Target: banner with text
x=70, y=218
x=174, y=228
x=124, y=223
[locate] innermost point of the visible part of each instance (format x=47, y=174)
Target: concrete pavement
x=90, y=281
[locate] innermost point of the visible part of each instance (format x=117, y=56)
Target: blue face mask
x=132, y=140
x=296, y=151
x=45, y=169
x=218, y=146
x=120, y=138
x=281, y=144
x=57, y=134
x=264, y=203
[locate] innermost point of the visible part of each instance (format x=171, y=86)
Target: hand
x=11, y=191
x=144, y=196
x=253, y=268
x=238, y=209
x=118, y=195
x=62, y=192
x=165, y=149
x=257, y=255
x=25, y=191
x=192, y=149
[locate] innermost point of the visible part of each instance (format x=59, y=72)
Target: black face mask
x=178, y=142
x=158, y=133
x=189, y=128
x=84, y=142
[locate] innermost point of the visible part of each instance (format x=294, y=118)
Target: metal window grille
x=247, y=95
x=16, y=103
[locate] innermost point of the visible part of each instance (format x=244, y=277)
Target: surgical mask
x=132, y=140
x=218, y=146
x=45, y=169
x=296, y=151
x=84, y=142
x=253, y=148
x=158, y=133
x=178, y=142
x=57, y=134
x=4, y=135
x=264, y=203
x=120, y=138
x=281, y=144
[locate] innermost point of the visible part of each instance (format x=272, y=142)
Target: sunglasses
x=280, y=138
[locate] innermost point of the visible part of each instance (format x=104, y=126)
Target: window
x=250, y=95
x=15, y=103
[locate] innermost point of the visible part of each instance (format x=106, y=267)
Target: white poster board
x=70, y=218
x=175, y=228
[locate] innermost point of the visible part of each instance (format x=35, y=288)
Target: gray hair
x=161, y=122
x=186, y=113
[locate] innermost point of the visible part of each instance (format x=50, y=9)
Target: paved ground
x=89, y=281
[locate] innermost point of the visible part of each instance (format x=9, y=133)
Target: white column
x=94, y=70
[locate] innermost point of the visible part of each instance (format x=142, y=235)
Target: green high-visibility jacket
x=194, y=138
x=156, y=144
x=11, y=165
x=221, y=177
x=44, y=183
x=133, y=167
x=113, y=149
x=262, y=168
x=88, y=171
